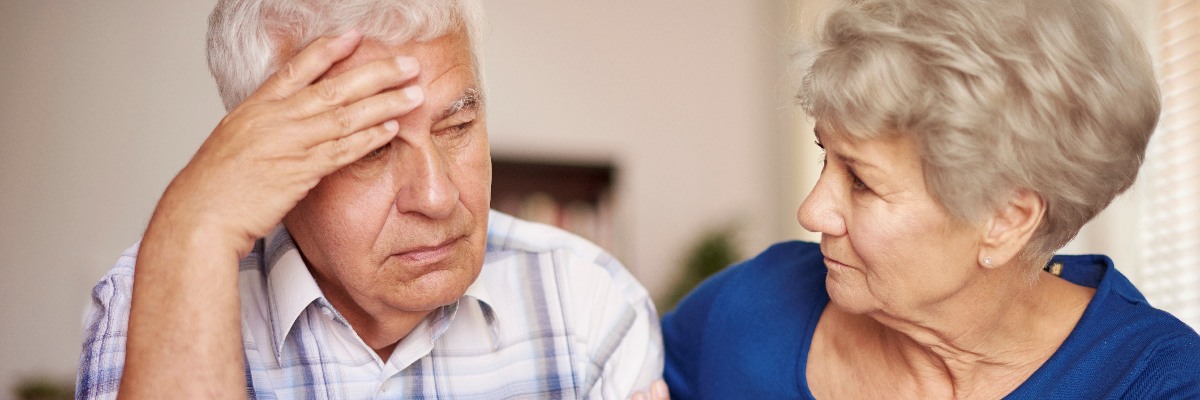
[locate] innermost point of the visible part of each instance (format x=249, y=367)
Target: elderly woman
x=966, y=141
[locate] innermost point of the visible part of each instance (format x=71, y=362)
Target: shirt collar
x=491, y=280
x=290, y=285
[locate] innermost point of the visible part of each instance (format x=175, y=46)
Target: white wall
x=102, y=102
x=680, y=96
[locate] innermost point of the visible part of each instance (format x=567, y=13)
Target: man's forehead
x=435, y=56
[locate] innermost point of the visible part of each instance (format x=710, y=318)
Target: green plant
x=711, y=253
x=43, y=388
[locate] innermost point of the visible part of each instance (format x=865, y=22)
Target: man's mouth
x=429, y=254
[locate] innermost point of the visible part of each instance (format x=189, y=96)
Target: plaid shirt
x=550, y=316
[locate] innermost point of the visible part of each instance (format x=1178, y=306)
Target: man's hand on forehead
x=259, y=162
x=294, y=130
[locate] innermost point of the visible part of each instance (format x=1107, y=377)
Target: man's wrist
x=187, y=233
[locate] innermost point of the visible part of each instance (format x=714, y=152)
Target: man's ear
x=1010, y=227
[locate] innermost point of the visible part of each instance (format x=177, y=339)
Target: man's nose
x=821, y=212
x=424, y=180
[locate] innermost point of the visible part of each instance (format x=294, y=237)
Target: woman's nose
x=821, y=211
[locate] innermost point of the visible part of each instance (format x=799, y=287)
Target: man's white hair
x=248, y=39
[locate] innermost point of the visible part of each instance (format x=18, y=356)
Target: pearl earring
x=987, y=261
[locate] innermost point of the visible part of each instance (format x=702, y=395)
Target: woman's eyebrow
x=845, y=159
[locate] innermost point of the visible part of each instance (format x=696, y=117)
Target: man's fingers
x=338, y=153
x=308, y=65
x=354, y=85
x=659, y=391
x=347, y=120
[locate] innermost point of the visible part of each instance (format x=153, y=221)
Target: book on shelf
x=577, y=198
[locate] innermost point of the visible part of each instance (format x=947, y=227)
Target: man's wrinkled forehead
x=447, y=50
x=447, y=74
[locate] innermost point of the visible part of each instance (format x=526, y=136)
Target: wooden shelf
x=575, y=197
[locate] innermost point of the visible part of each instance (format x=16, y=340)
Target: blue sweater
x=745, y=334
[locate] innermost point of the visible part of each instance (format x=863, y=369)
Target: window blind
x=1171, y=210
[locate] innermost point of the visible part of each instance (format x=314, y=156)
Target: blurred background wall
x=101, y=103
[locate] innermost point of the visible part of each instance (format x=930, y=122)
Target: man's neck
x=379, y=329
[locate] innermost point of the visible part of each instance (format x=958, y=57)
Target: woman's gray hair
x=1054, y=96
x=248, y=39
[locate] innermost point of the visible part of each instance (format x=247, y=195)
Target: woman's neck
x=982, y=343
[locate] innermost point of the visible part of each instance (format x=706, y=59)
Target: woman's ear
x=1011, y=227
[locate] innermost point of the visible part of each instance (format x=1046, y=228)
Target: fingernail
x=406, y=63
x=413, y=93
x=391, y=126
x=660, y=390
x=638, y=396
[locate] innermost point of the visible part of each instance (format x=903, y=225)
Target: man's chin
x=435, y=289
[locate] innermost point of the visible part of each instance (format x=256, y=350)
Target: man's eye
x=377, y=152
x=458, y=129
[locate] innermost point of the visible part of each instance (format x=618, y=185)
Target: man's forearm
x=184, y=327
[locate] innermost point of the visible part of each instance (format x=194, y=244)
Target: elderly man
x=332, y=238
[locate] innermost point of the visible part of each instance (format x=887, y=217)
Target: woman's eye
x=824, y=155
x=857, y=184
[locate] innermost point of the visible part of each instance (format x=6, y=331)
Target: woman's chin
x=851, y=299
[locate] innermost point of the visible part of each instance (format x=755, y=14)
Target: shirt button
x=328, y=313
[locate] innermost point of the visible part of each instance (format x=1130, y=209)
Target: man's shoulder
x=524, y=251
x=106, y=321
x=539, y=277
x=112, y=293
x=125, y=263
x=522, y=246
